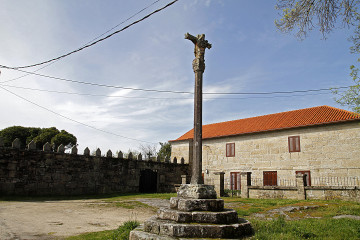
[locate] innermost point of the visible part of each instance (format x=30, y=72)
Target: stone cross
x=199, y=67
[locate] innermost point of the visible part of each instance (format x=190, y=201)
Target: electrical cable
x=132, y=16
x=155, y=98
x=181, y=92
x=84, y=124
x=93, y=43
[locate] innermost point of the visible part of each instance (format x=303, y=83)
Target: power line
x=93, y=43
x=84, y=124
x=102, y=85
x=132, y=16
x=180, y=92
x=155, y=98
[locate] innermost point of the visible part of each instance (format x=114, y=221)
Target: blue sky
x=248, y=55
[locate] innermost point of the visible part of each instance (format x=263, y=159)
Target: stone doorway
x=148, y=181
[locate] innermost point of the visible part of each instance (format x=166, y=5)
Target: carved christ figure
x=199, y=51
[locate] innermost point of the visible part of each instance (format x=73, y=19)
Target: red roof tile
x=284, y=120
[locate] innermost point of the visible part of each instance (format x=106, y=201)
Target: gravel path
x=56, y=219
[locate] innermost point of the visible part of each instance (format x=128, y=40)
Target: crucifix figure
x=199, y=66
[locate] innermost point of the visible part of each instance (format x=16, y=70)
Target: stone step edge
x=172, y=229
x=139, y=234
x=227, y=216
x=189, y=205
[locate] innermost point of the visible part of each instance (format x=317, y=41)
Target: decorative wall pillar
x=245, y=182
x=183, y=179
x=300, y=184
x=219, y=183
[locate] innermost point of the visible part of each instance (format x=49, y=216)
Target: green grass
x=122, y=233
x=326, y=209
x=331, y=229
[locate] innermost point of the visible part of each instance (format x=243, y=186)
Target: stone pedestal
x=195, y=214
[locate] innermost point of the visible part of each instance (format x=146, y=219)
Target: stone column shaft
x=196, y=177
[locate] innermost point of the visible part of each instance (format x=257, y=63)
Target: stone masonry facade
x=331, y=150
x=32, y=172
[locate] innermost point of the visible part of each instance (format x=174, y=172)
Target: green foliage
x=9, y=134
x=306, y=229
x=122, y=233
x=351, y=97
x=302, y=16
x=39, y=135
x=65, y=138
x=165, y=151
x=46, y=134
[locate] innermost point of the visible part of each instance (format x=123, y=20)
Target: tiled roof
x=284, y=120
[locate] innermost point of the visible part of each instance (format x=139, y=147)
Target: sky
x=248, y=55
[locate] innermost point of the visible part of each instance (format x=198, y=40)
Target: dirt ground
x=57, y=219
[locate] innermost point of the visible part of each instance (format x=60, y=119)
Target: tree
x=9, y=134
x=46, y=134
x=148, y=150
x=165, y=150
x=302, y=16
x=40, y=135
x=65, y=138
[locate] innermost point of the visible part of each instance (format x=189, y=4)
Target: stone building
x=318, y=142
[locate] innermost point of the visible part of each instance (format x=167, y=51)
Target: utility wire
x=181, y=92
x=155, y=98
x=93, y=43
x=132, y=16
x=84, y=124
x=102, y=85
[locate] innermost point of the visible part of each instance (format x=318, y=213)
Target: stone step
x=139, y=234
x=188, y=205
x=196, y=230
x=227, y=216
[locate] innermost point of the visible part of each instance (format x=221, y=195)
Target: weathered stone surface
x=197, y=191
x=61, y=149
x=109, y=154
x=74, y=150
x=224, y=217
x=32, y=145
x=120, y=155
x=23, y=172
x=86, y=151
x=98, y=152
x=241, y=229
x=47, y=147
x=16, y=143
x=188, y=205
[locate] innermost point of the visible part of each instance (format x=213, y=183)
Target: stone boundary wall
x=34, y=173
x=300, y=191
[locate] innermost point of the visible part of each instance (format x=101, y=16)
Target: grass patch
x=122, y=233
x=306, y=229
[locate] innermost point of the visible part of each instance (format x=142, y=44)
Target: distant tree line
x=39, y=135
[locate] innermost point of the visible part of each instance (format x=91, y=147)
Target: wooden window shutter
x=294, y=143
x=270, y=178
x=230, y=150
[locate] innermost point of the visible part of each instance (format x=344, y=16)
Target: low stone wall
x=331, y=193
x=272, y=192
x=32, y=172
x=300, y=191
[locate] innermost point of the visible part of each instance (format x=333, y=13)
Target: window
x=294, y=144
x=270, y=178
x=230, y=149
x=235, y=182
x=307, y=177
